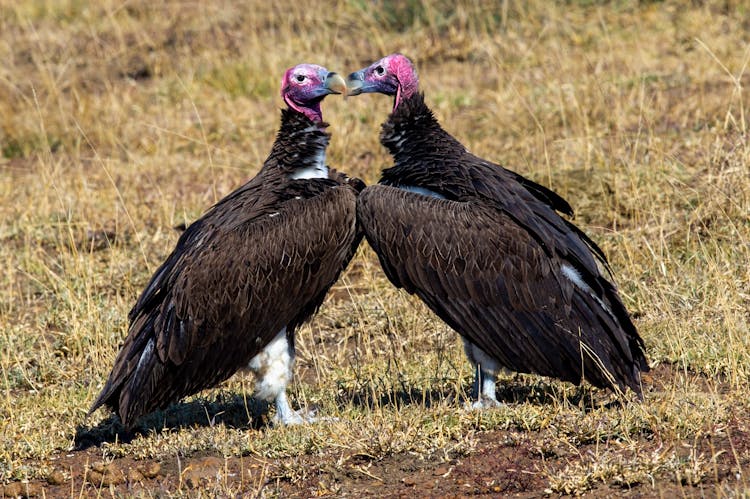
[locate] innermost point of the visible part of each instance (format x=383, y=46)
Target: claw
x=484, y=403
x=286, y=416
x=292, y=418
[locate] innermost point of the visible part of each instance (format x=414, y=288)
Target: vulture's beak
x=355, y=82
x=335, y=84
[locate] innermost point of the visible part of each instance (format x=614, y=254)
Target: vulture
x=246, y=274
x=486, y=250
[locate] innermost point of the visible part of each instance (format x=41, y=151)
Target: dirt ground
x=503, y=463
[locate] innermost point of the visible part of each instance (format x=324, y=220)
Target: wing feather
x=225, y=292
x=480, y=270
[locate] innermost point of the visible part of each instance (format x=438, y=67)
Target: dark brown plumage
x=242, y=278
x=484, y=248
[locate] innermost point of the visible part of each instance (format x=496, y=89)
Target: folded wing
x=484, y=274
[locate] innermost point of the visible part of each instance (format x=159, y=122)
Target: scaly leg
x=486, y=369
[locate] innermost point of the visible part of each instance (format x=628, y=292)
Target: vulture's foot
x=484, y=403
x=286, y=416
x=484, y=382
x=292, y=417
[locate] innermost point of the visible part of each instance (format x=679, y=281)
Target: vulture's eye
x=301, y=78
x=379, y=71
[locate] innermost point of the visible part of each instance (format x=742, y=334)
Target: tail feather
x=109, y=396
x=135, y=375
x=140, y=394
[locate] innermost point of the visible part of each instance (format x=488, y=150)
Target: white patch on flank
x=318, y=170
x=422, y=191
x=273, y=368
x=274, y=214
x=147, y=352
x=574, y=277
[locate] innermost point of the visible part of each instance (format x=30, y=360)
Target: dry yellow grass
x=120, y=120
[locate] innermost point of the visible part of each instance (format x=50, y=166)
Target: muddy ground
x=503, y=463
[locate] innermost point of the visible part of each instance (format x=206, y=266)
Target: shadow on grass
x=517, y=390
x=541, y=392
x=234, y=411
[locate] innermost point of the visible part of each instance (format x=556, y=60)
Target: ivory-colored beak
x=336, y=84
x=354, y=83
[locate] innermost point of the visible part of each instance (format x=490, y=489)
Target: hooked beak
x=335, y=84
x=355, y=82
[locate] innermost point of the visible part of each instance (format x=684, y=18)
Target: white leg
x=486, y=369
x=487, y=397
x=273, y=371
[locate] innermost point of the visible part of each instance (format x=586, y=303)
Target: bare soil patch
x=508, y=463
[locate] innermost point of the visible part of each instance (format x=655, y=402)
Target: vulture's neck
x=299, y=151
x=420, y=147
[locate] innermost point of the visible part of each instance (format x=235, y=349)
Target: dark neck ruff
x=299, y=142
x=411, y=123
x=413, y=136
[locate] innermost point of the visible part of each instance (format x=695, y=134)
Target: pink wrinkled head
x=392, y=75
x=401, y=66
x=304, y=86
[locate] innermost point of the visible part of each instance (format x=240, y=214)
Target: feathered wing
x=227, y=290
x=542, y=193
x=490, y=280
x=554, y=201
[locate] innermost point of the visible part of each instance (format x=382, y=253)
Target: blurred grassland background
x=121, y=120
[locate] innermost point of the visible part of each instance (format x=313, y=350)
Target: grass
x=119, y=121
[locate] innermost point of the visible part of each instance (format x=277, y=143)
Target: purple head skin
x=392, y=75
x=305, y=86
